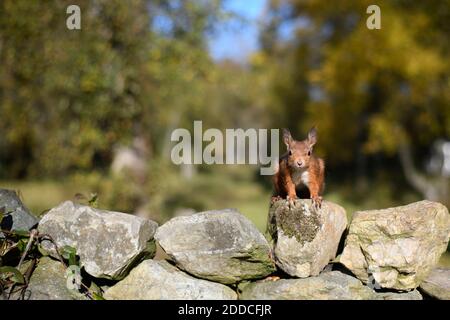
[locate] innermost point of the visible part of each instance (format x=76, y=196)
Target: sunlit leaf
x=95, y=290
x=93, y=201
x=22, y=233
x=12, y=273
x=97, y=296
x=72, y=259
x=69, y=253
x=22, y=244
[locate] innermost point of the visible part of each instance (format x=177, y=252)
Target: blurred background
x=91, y=111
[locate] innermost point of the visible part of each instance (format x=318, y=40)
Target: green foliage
x=96, y=292
x=7, y=272
x=67, y=97
x=70, y=254
x=368, y=91
x=21, y=234
x=93, y=201
x=27, y=246
x=22, y=244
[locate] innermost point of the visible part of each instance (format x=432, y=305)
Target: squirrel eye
x=309, y=152
x=290, y=152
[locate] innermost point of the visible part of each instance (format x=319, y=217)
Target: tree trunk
x=434, y=189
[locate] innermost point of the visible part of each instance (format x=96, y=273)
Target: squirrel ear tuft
x=287, y=138
x=312, y=136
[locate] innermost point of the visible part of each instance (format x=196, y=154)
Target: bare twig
x=27, y=277
x=33, y=234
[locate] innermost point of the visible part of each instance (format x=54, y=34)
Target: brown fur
x=299, y=167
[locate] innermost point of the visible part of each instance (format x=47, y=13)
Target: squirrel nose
x=299, y=163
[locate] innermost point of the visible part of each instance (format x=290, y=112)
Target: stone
x=48, y=282
x=411, y=295
x=222, y=246
x=398, y=246
x=159, y=280
x=108, y=243
x=305, y=239
x=16, y=215
x=333, y=285
x=437, y=284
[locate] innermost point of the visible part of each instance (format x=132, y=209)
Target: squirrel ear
x=287, y=138
x=312, y=136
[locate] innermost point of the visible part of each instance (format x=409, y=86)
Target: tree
x=374, y=93
x=68, y=96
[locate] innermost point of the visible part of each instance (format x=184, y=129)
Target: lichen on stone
x=298, y=221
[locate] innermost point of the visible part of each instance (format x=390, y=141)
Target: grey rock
x=411, y=295
x=305, y=239
x=398, y=247
x=48, y=282
x=17, y=216
x=108, y=243
x=221, y=246
x=159, y=280
x=437, y=284
x=332, y=285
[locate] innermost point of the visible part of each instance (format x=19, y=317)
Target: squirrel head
x=299, y=152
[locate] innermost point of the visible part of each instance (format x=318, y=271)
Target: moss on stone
x=300, y=221
x=255, y=264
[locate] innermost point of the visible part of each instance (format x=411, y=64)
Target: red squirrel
x=298, y=166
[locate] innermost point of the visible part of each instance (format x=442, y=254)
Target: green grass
x=39, y=196
x=255, y=209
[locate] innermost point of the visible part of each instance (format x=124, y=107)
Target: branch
x=33, y=234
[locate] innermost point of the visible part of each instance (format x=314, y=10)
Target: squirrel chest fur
x=300, y=177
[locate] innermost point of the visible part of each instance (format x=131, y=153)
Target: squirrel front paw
x=316, y=201
x=291, y=201
x=274, y=199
